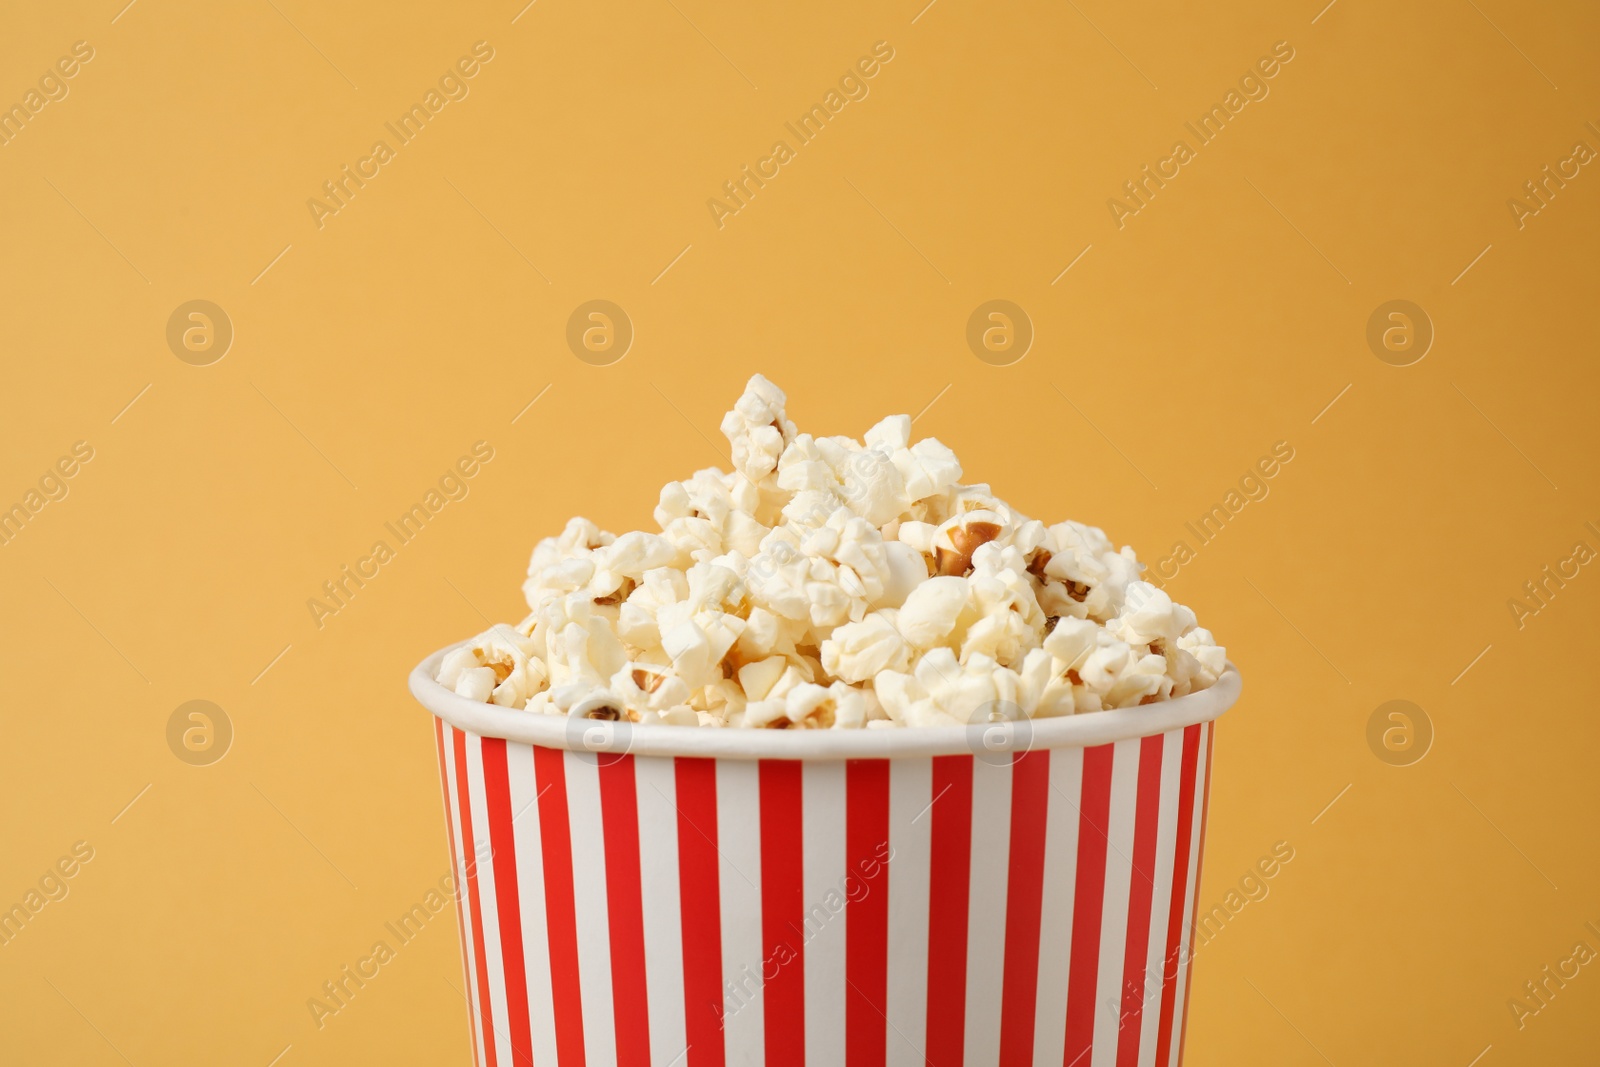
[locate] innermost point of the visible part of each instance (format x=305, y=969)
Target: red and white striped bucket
x=683, y=897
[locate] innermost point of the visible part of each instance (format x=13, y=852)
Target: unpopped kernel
x=830, y=583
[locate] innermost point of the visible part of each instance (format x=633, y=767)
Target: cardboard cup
x=1015, y=892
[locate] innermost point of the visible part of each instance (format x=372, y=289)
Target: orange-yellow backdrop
x=1227, y=313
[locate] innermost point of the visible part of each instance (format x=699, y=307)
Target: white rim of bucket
x=586, y=735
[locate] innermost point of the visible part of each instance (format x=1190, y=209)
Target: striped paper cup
x=1013, y=893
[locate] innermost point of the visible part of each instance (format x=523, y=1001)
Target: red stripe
x=555, y=840
x=783, y=967
x=1205, y=808
x=702, y=910
x=1083, y=972
x=497, y=797
x=949, y=889
x=1030, y=802
x=455, y=873
x=464, y=799
x=619, y=799
x=1141, y=890
x=866, y=916
x=1180, y=889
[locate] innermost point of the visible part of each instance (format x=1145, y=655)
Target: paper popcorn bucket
x=1012, y=893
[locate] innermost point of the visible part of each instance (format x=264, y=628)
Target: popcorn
x=502, y=660
x=928, y=467
x=757, y=429
x=476, y=683
x=857, y=651
x=829, y=583
x=1148, y=615
x=928, y=617
x=1212, y=657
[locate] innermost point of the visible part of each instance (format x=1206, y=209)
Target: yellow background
x=1222, y=318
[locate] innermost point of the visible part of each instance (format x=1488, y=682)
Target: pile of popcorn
x=833, y=583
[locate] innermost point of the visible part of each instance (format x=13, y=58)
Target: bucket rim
x=984, y=739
